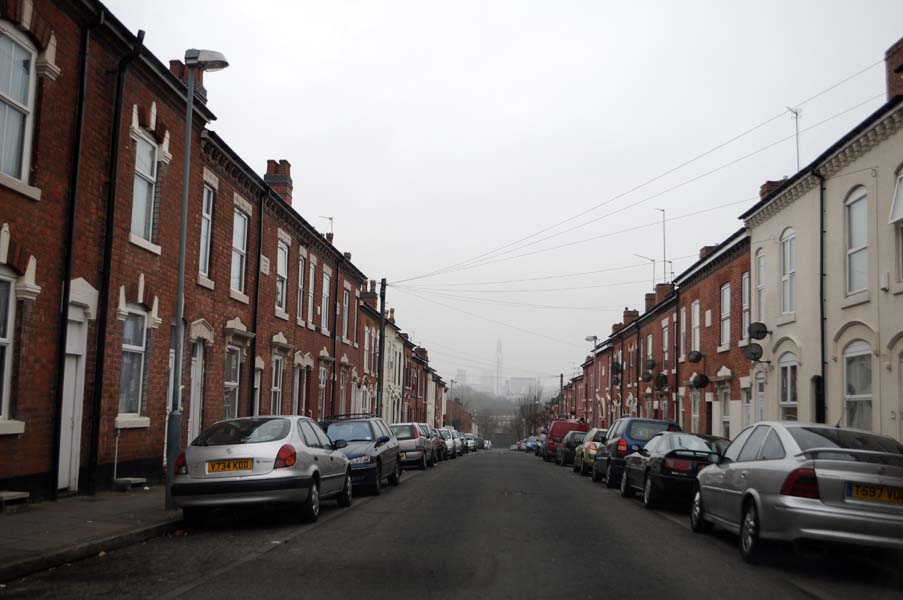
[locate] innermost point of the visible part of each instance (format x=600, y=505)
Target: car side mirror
x=382, y=440
x=336, y=445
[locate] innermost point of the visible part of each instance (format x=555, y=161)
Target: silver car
x=793, y=481
x=451, y=447
x=415, y=447
x=261, y=459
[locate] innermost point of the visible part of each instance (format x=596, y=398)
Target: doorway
x=196, y=402
x=73, y=397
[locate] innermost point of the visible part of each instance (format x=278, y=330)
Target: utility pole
x=382, y=346
x=796, y=120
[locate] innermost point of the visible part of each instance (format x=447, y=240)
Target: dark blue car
x=625, y=436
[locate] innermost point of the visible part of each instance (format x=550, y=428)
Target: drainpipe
x=821, y=408
x=68, y=249
x=109, y=231
x=256, y=326
x=336, y=368
x=675, y=349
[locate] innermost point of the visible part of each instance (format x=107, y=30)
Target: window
x=899, y=228
x=760, y=285
x=321, y=399
x=857, y=241
x=367, y=350
x=896, y=219
x=788, y=271
x=694, y=315
x=307, y=432
x=788, y=366
x=857, y=385
x=297, y=390
x=725, y=314
x=276, y=391
x=648, y=348
x=346, y=300
x=302, y=272
x=7, y=324
x=772, y=449
x=132, y=377
x=744, y=306
x=206, y=229
x=255, y=403
x=310, y=293
x=281, y=275
x=746, y=401
x=665, y=344
x=324, y=306
x=683, y=331
x=143, y=191
x=733, y=451
x=230, y=383
x=343, y=380
x=16, y=104
x=760, y=396
x=724, y=398
x=239, y=250
x=751, y=447
x=694, y=412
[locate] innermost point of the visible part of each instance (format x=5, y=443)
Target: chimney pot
x=279, y=177
x=662, y=290
x=347, y=255
x=329, y=237
x=769, y=186
x=650, y=301
x=705, y=251
x=893, y=67
x=178, y=68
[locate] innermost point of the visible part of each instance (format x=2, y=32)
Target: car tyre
x=576, y=467
x=423, y=463
x=626, y=490
x=597, y=476
x=310, y=508
x=649, y=498
x=378, y=484
x=584, y=470
x=344, y=499
x=698, y=522
x=395, y=478
x=750, y=544
x=610, y=476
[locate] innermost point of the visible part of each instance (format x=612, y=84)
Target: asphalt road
x=495, y=524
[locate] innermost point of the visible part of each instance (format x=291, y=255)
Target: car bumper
x=675, y=487
x=412, y=457
x=788, y=518
x=195, y=493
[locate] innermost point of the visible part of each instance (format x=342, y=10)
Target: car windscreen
x=403, y=432
x=578, y=437
x=244, y=431
x=685, y=441
x=350, y=431
x=642, y=431
x=830, y=437
x=444, y=433
x=600, y=435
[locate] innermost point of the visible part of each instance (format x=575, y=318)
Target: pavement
x=49, y=534
x=495, y=524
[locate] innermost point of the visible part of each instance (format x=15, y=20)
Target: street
x=497, y=524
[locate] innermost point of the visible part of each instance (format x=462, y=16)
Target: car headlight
x=359, y=460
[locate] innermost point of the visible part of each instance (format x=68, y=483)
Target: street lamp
x=205, y=60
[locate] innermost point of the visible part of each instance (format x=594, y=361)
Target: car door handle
x=743, y=475
x=316, y=458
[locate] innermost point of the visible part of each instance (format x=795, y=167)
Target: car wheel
x=423, y=463
x=626, y=490
x=583, y=468
x=344, y=498
x=750, y=545
x=378, y=484
x=395, y=478
x=597, y=476
x=649, y=499
x=610, y=476
x=576, y=467
x=698, y=522
x=310, y=509
x=194, y=517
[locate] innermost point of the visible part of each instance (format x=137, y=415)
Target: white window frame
x=788, y=271
x=207, y=200
x=788, y=382
x=898, y=227
x=346, y=301
x=695, y=331
x=7, y=342
x=683, y=332
x=232, y=387
x=695, y=400
x=856, y=349
x=311, y=282
x=760, y=392
x=665, y=350
x=744, y=306
x=760, y=285
x=151, y=178
x=282, y=275
x=321, y=396
x=324, y=303
x=724, y=399
x=302, y=273
x=649, y=349
x=240, y=252
x=858, y=195
x=141, y=351
x=28, y=109
x=746, y=402
x=725, y=314
x=367, y=350
x=257, y=383
x=278, y=365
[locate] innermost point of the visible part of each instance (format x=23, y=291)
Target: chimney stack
x=650, y=301
x=329, y=236
x=279, y=177
x=630, y=315
x=392, y=314
x=178, y=68
x=662, y=291
x=616, y=327
x=769, y=186
x=705, y=251
x=369, y=295
x=893, y=67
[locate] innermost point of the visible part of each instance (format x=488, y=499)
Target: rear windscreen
x=403, y=432
x=244, y=431
x=444, y=433
x=599, y=436
x=827, y=437
x=642, y=431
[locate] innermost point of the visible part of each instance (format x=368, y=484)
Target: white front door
x=196, y=407
x=73, y=396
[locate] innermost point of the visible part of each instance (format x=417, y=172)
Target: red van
x=557, y=430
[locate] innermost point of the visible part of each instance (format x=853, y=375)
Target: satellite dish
x=700, y=381
x=758, y=331
x=616, y=380
x=615, y=368
x=661, y=381
x=694, y=357
x=647, y=376
x=650, y=365
x=753, y=351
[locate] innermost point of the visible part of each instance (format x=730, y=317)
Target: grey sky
x=436, y=131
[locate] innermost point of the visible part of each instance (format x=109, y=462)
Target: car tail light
x=416, y=433
x=676, y=464
x=591, y=446
x=621, y=449
x=286, y=457
x=801, y=483
x=181, y=465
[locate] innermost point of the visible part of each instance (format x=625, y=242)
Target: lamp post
x=205, y=60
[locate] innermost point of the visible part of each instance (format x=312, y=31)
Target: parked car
x=479, y=443
x=718, y=444
x=471, y=442
x=261, y=459
x=372, y=450
x=586, y=452
x=462, y=443
x=567, y=448
x=513, y=446
x=436, y=441
x=451, y=447
x=665, y=468
x=540, y=443
x=625, y=436
x=794, y=481
x=531, y=443
x=557, y=430
x=415, y=448
x=487, y=444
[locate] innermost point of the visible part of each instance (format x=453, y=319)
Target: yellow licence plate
x=874, y=493
x=238, y=464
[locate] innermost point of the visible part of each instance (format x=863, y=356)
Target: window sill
x=311, y=326
x=32, y=193
x=356, y=345
x=132, y=422
x=325, y=332
x=236, y=295
x=206, y=282
x=144, y=244
x=281, y=314
x=856, y=299
x=11, y=427
x=786, y=319
x=681, y=359
x=723, y=348
x=896, y=288
x=743, y=343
